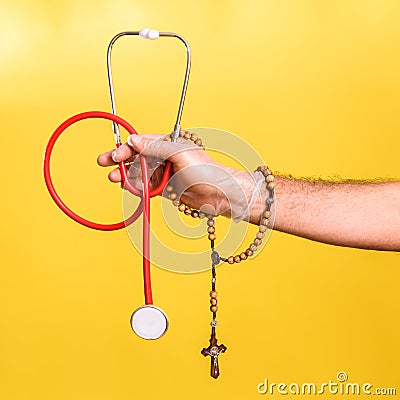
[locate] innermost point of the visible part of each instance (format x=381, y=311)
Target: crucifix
x=214, y=350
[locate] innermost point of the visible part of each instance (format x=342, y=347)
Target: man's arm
x=362, y=215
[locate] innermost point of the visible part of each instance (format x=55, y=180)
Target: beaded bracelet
x=213, y=350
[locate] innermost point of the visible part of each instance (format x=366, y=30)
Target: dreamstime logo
x=339, y=386
x=172, y=240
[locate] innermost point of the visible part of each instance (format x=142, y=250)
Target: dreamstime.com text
x=340, y=386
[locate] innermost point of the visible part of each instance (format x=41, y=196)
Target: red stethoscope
x=148, y=321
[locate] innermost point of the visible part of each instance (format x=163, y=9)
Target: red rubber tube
x=146, y=231
x=145, y=195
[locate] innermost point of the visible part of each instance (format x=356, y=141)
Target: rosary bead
x=170, y=188
x=265, y=170
x=210, y=222
x=212, y=236
x=214, y=309
x=257, y=241
x=211, y=229
x=176, y=202
x=265, y=221
x=213, y=301
x=213, y=294
x=271, y=185
x=195, y=213
x=182, y=133
x=188, y=211
x=249, y=252
x=168, y=138
x=260, y=235
x=243, y=256
x=262, y=228
x=181, y=207
x=237, y=259
x=173, y=196
x=187, y=135
x=267, y=214
x=253, y=247
x=214, y=323
x=269, y=178
x=201, y=215
x=231, y=260
x=199, y=142
x=270, y=200
x=193, y=137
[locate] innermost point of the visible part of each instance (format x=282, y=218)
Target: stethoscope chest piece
x=149, y=322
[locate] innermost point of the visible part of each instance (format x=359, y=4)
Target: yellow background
x=314, y=86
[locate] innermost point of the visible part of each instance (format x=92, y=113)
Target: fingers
x=115, y=175
x=113, y=157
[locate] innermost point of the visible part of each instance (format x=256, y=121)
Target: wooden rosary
x=214, y=350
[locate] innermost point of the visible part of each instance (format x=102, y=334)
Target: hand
x=201, y=182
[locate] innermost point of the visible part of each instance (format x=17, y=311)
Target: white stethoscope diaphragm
x=149, y=322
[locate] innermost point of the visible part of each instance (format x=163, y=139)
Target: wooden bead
x=265, y=221
x=181, y=207
x=168, y=139
x=188, y=211
x=199, y=142
x=213, y=301
x=269, y=178
x=193, y=137
x=260, y=235
x=212, y=236
x=231, y=260
x=266, y=172
x=214, y=294
x=249, y=252
x=173, y=196
x=210, y=222
x=267, y=214
x=243, y=256
x=253, y=247
x=237, y=259
x=211, y=229
x=169, y=188
x=257, y=241
x=201, y=215
x=262, y=228
x=214, y=309
x=271, y=185
x=195, y=213
x=182, y=133
x=187, y=135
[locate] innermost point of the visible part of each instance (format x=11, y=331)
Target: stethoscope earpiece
x=149, y=322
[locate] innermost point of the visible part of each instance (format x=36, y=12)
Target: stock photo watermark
x=339, y=386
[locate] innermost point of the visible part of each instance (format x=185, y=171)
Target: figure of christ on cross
x=213, y=350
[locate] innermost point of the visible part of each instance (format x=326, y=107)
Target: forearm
x=362, y=215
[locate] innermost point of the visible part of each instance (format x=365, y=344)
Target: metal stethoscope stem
x=148, y=34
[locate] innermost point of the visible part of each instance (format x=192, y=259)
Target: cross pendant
x=213, y=350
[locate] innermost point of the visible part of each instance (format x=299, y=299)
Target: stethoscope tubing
x=145, y=195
